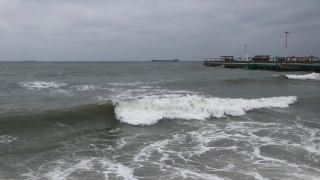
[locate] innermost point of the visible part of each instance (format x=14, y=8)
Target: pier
x=262, y=62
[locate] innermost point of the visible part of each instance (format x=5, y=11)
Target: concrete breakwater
x=269, y=65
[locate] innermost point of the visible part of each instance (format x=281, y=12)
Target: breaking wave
x=312, y=76
x=150, y=111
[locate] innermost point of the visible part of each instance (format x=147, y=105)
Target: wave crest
x=312, y=76
x=150, y=111
x=39, y=85
x=6, y=139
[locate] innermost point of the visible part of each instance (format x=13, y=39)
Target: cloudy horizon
x=190, y=30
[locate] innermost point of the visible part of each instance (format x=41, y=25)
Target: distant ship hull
x=28, y=60
x=174, y=60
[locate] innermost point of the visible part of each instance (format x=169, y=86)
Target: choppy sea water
x=143, y=120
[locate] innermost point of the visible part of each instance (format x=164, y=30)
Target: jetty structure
x=264, y=62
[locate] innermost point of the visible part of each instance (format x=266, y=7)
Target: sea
x=148, y=120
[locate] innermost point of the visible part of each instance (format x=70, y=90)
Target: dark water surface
x=143, y=120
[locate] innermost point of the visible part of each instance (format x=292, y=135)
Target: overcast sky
x=141, y=30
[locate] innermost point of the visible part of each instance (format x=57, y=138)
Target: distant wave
x=278, y=77
x=240, y=80
x=150, y=111
x=312, y=76
x=6, y=139
x=127, y=84
x=267, y=79
x=86, y=87
x=38, y=85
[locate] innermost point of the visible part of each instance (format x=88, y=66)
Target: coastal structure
x=310, y=58
x=226, y=58
x=261, y=58
x=264, y=62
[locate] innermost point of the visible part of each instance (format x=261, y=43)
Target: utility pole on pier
x=285, y=51
x=245, y=53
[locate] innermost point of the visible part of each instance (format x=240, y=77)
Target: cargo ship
x=27, y=60
x=170, y=60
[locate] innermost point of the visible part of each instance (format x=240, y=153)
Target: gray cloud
x=102, y=30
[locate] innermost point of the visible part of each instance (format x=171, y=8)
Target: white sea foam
x=190, y=174
x=178, y=172
x=241, y=140
x=256, y=176
x=126, y=84
x=150, y=111
x=312, y=76
x=31, y=175
x=39, y=85
x=64, y=170
x=86, y=87
x=143, y=92
x=6, y=139
x=118, y=169
x=140, y=91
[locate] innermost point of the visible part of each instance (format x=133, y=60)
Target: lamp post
x=285, y=51
x=245, y=53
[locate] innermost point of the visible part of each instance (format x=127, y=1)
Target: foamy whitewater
x=312, y=76
x=144, y=120
x=38, y=85
x=150, y=111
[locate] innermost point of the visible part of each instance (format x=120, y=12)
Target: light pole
x=285, y=51
x=245, y=53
